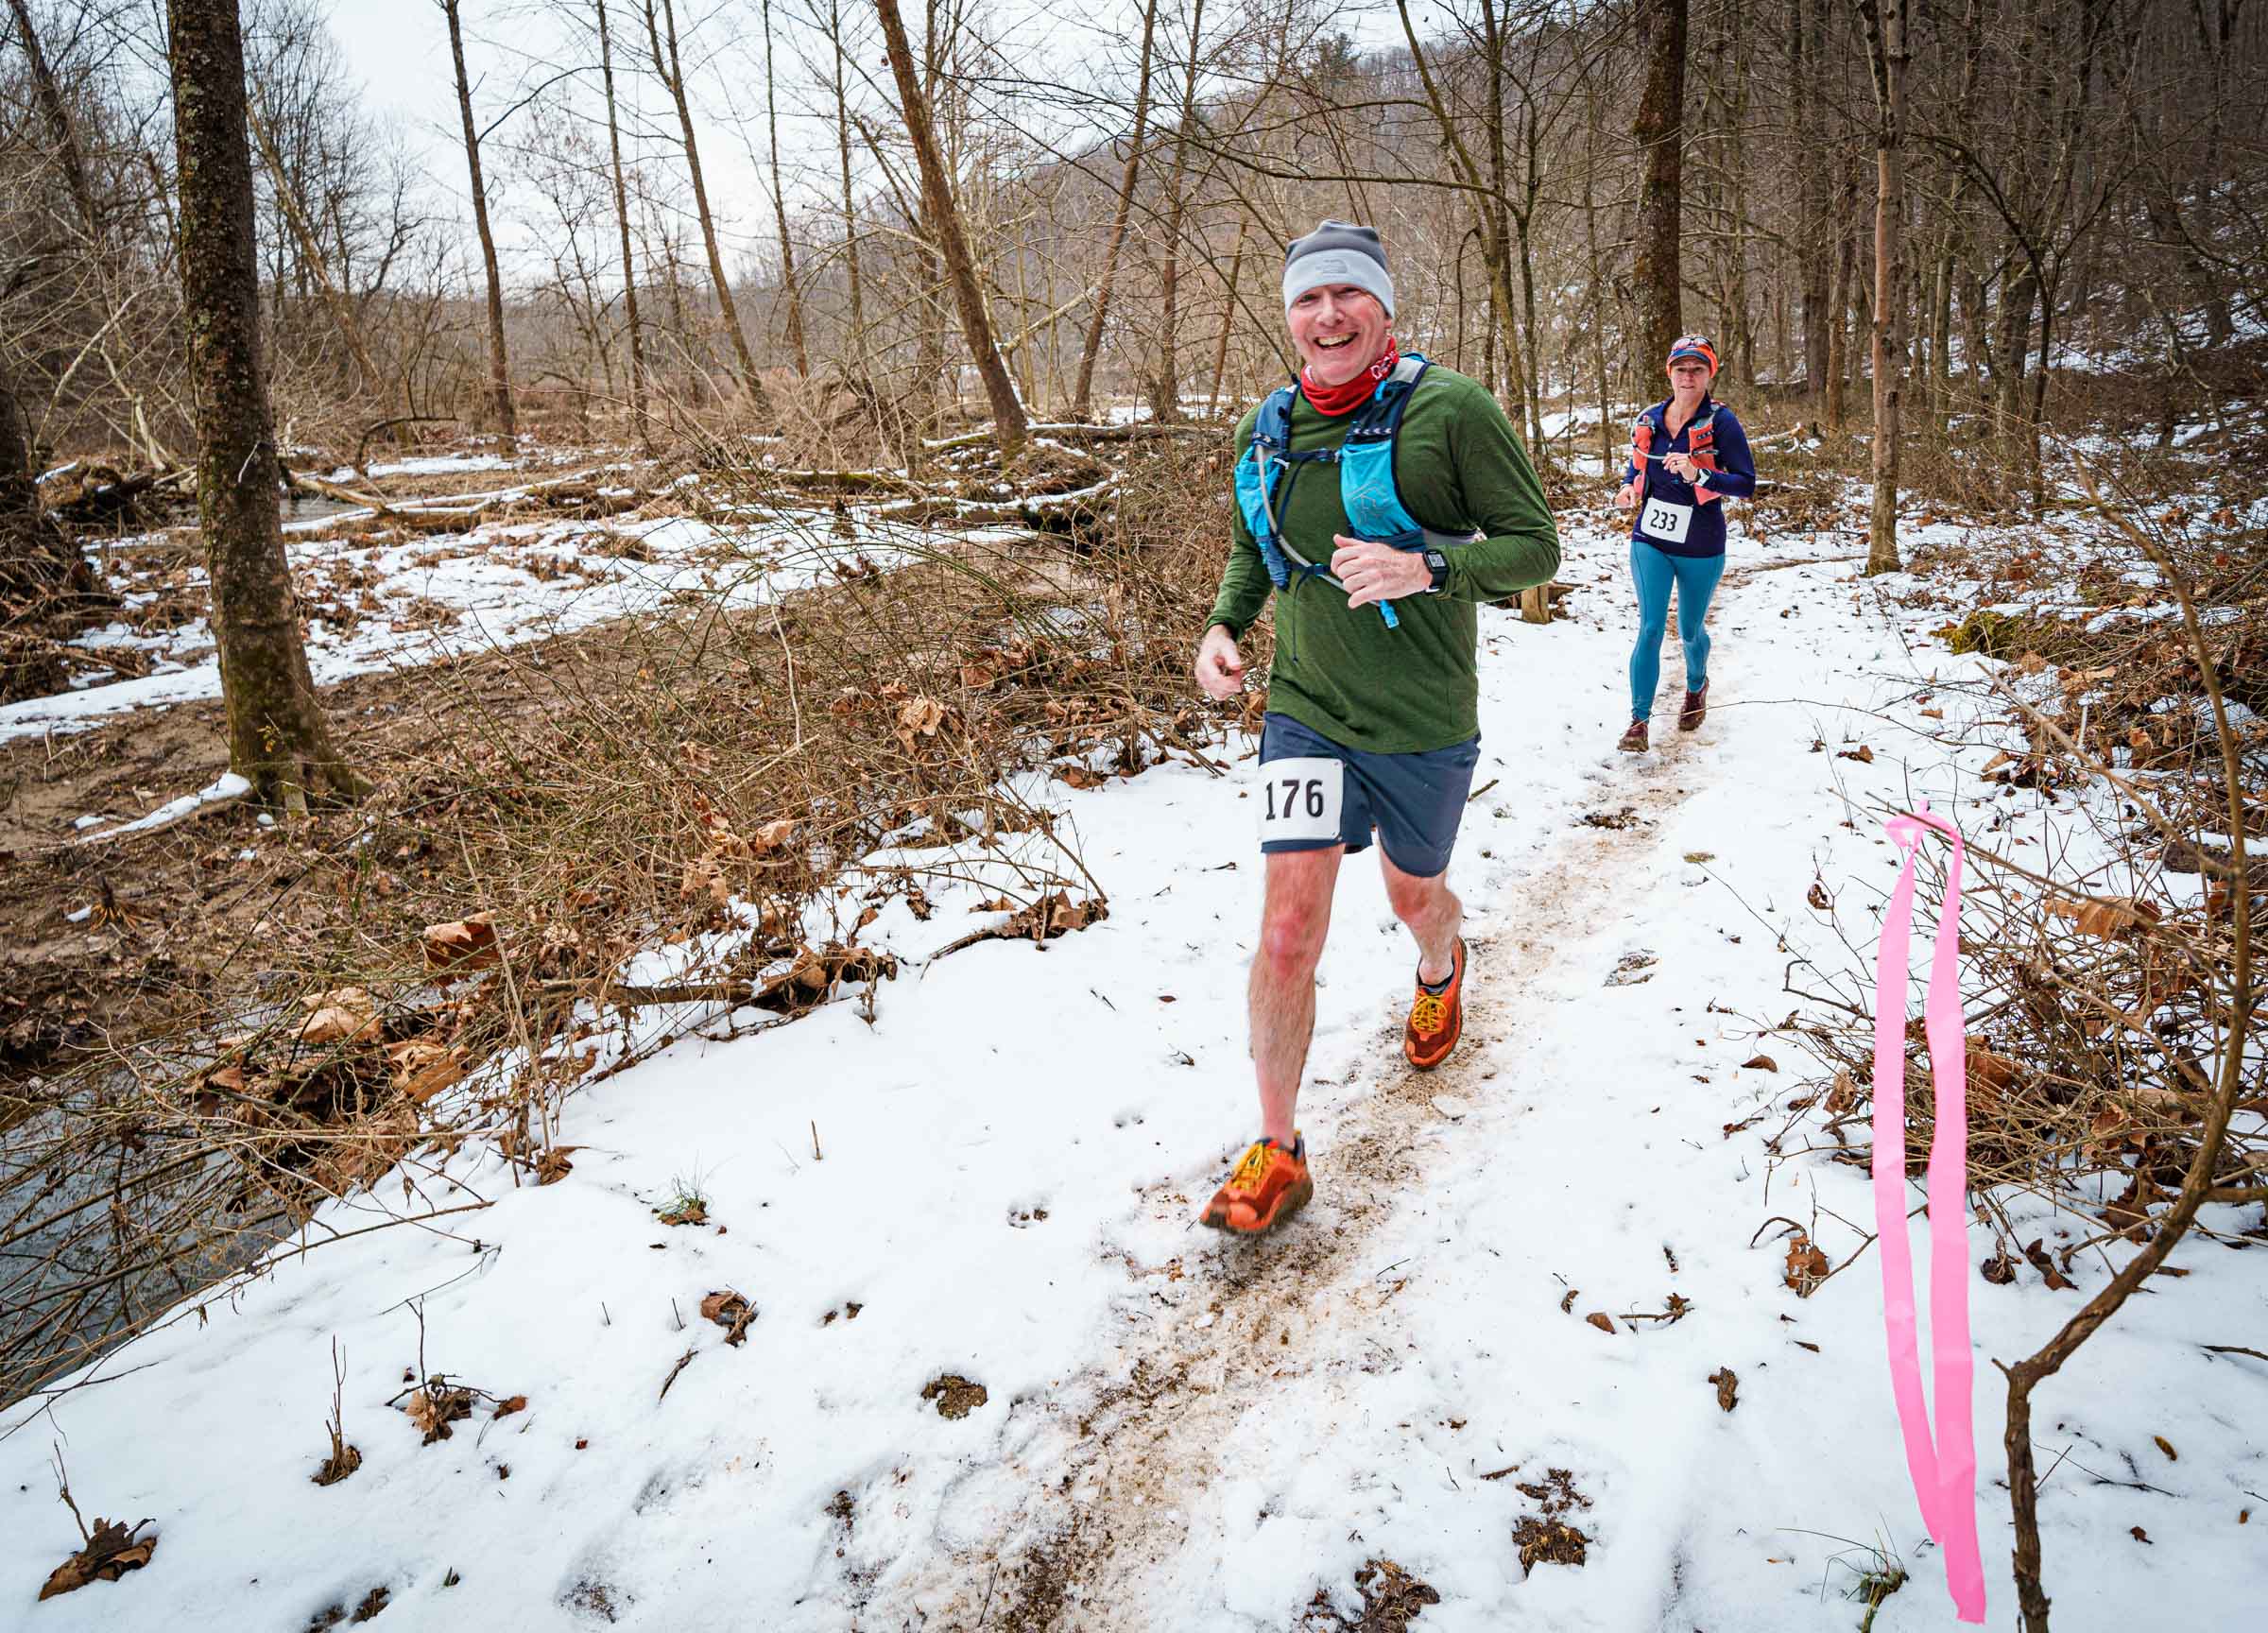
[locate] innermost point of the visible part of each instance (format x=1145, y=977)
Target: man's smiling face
x=1337, y=330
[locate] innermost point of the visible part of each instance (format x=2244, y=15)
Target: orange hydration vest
x=1700, y=441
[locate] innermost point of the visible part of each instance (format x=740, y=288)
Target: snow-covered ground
x=993, y=1176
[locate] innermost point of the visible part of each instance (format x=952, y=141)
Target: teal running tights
x=1697, y=579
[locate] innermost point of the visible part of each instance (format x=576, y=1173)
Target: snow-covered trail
x=1284, y=1330
x=1181, y=1433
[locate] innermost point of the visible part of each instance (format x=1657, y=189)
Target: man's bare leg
x=1432, y=913
x=1293, y=924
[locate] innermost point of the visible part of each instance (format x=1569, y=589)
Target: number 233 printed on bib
x=1300, y=798
x=1666, y=522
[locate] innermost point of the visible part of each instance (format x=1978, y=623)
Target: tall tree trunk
x=1839, y=299
x=1598, y=273
x=937, y=187
x=500, y=377
x=842, y=134
x=1819, y=229
x=1939, y=394
x=1165, y=392
x=787, y=248
x=1220, y=349
x=1660, y=132
x=639, y=417
x=672, y=70
x=1082, y=401
x=278, y=739
x=1887, y=50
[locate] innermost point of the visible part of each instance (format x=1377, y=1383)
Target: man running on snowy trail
x=1383, y=499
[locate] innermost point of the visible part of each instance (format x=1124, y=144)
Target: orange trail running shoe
x=1268, y=1186
x=1436, y=1019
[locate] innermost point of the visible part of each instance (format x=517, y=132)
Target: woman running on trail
x=1687, y=456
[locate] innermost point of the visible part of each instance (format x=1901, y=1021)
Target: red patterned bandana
x=1337, y=399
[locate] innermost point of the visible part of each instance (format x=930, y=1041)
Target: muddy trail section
x=1098, y=1479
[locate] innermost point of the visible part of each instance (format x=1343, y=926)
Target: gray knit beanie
x=1337, y=253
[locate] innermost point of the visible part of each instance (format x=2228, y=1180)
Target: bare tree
x=668, y=65
x=1082, y=396
x=787, y=246
x=850, y=234
x=621, y=217
x=944, y=219
x=500, y=378
x=1660, y=132
x=1165, y=387
x=1887, y=55
x=278, y=739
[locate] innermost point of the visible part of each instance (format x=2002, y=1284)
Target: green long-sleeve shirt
x=1339, y=670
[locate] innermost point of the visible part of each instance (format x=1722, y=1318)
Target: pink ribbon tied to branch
x=1945, y=1473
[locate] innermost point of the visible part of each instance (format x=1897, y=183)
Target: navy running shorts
x=1415, y=801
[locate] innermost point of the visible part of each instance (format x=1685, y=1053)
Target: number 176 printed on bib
x=1300, y=798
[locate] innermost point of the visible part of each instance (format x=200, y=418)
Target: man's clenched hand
x=1220, y=665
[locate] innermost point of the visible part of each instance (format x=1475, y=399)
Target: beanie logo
x=1310, y=266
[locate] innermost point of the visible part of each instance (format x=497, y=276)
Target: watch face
x=1437, y=562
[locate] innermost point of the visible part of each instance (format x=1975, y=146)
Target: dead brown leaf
x=2106, y=919
x=918, y=717
x=1760, y=1063
x=110, y=1553
x=1818, y=897
x=343, y=1015
x=1989, y=1075
x=423, y=1067
x=552, y=1166
x=1807, y=1267
x=703, y=876
x=2038, y=1253
x=1600, y=1320
x=467, y=943
x=433, y=1408
x=1863, y=754
x=1729, y=1386
x=729, y=1311
x=505, y=1408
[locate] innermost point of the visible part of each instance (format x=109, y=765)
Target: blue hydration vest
x=1367, y=490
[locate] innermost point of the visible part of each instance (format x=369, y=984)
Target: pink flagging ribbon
x=1945, y=1475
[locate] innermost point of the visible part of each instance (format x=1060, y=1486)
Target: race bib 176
x=1666, y=522
x=1299, y=797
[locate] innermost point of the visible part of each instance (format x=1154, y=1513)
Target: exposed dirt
x=169, y=922
x=955, y=1395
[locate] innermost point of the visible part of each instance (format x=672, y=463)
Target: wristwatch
x=1437, y=564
